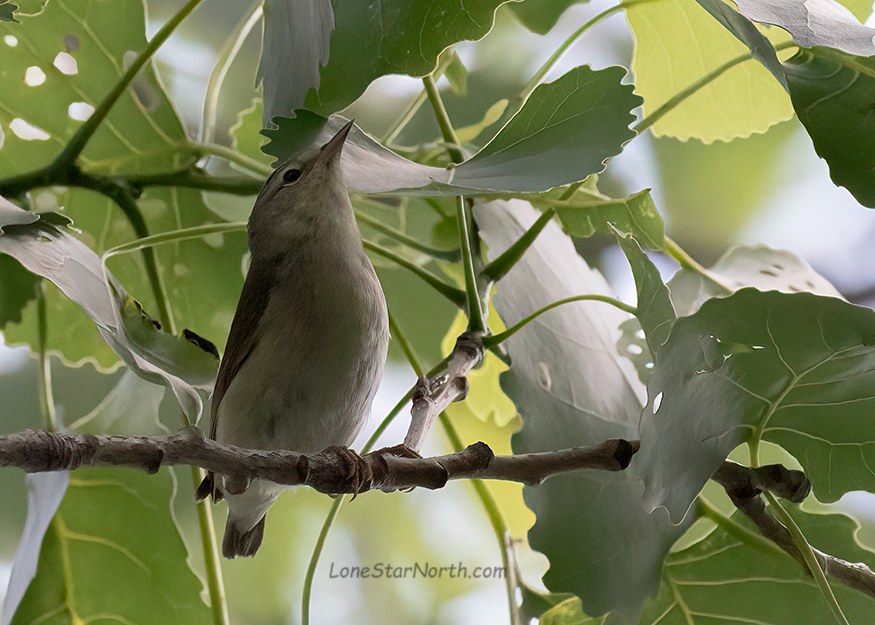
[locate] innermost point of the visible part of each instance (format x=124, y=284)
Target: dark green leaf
x=17, y=288
x=7, y=11
x=655, y=310
x=725, y=579
x=793, y=369
x=834, y=95
x=540, y=16
x=572, y=387
x=371, y=39
x=114, y=553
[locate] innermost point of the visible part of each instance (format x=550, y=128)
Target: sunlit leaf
x=678, y=43
x=571, y=387
x=833, y=94
x=114, y=553
x=792, y=369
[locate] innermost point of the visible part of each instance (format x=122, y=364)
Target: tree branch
x=335, y=470
x=744, y=486
x=432, y=395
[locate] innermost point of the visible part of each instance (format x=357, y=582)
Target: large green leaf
x=371, y=39
x=724, y=580
x=66, y=60
x=676, y=44
x=566, y=131
x=113, y=553
x=540, y=16
x=792, y=369
x=833, y=93
x=572, y=388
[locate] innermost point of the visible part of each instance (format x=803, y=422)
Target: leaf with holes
x=7, y=11
x=114, y=530
x=68, y=59
x=797, y=370
x=572, y=387
x=758, y=266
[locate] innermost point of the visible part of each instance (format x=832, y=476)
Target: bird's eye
x=291, y=175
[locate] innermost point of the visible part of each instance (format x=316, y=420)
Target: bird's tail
x=240, y=543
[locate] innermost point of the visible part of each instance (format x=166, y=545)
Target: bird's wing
x=244, y=333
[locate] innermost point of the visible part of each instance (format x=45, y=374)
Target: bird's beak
x=331, y=150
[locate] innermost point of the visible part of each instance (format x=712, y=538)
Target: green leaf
x=676, y=44
x=114, y=553
x=572, y=388
x=47, y=250
x=456, y=74
x=757, y=266
x=587, y=211
x=372, y=39
x=566, y=131
x=814, y=23
x=569, y=612
x=467, y=134
x=245, y=133
x=7, y=11
x=142, y=133
x=540, y=16
x=727, y=579
x=833, y=94
x=655, y=310
x=17, y=288
x=791, y=369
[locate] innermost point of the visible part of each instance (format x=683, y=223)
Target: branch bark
x=744, y=486
x=335, y=470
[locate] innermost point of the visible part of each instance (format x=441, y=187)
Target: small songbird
x=308, y=343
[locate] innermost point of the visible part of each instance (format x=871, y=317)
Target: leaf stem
x=215, y=584
x=476, y=321
x=175, y=236
x=227, y=56
x=314, y=559
x=74, y=148
x=450, y=255
x=455, y=295
x=675, y=100
x=231, y=155
x=705, y=508
x=807, y=556
x=499, y=267
x=443, y=119
x=47, y=399
x=689, y=263
x=491, y=341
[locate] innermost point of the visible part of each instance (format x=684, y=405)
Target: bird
x=308, y=343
